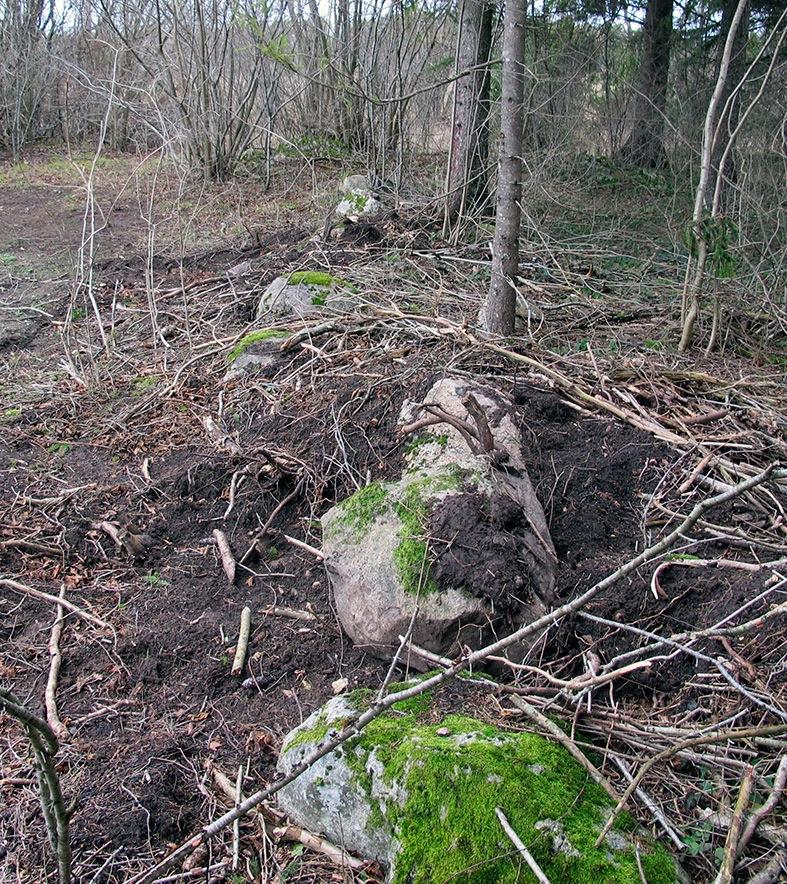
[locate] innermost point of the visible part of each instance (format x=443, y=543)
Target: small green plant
x=155, y=579
x=59, y=448
x=12, y=413
x=143, y=384
x=719, y=235
x=78, y=313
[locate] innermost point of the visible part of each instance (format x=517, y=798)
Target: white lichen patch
x=560, y=843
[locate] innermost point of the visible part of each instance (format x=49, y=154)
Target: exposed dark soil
x=477, y=547
x=151, y=705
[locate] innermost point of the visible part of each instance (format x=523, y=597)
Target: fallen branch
x=554, y=731
x=258, y=535
x=651, y=806
x=718, y=737
x=733, y=835
x=290, y=613
x=779, y=783
x=526, y=855
x=133, y=544
x=225, y=552
x=54, y=600
x=242, y=647
x=476, y=411
x=55, y=661
x=300, y=544
x=44, y=744
x=285, y=832
x=773, y=869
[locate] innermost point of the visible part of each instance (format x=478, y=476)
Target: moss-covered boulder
x=304, y=292
x=417, y=791
x=359, y=201
x=255, y=353
x=459, y=542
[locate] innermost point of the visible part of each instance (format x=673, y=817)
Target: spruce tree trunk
x=645, y=145
x=469, y=155
x=499, y=311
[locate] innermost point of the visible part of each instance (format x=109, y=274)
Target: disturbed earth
x=164, y=458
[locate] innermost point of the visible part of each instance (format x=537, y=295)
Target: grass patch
x=143, y=384
x=60, y=448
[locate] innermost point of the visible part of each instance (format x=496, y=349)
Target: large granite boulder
x=416, y=791
x=460, y=538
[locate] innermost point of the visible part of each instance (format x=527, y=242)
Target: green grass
x=145, y=383
x=60, y=448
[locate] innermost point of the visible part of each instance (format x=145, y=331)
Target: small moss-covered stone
x=255, y=337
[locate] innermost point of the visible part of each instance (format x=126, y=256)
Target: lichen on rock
x=416, y=791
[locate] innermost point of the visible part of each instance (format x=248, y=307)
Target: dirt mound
x=474, y=548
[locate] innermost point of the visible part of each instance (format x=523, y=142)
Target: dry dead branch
x=242, y=647
x=55, y=661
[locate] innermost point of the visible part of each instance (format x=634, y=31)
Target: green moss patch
x=359, y=510
x=422, y=439
x=314, y=277
x=411, y=556
x=321, y=281
x=447, y=826
x=314, y=734
x=255, y=337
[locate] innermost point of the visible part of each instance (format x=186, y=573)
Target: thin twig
x=526, y=855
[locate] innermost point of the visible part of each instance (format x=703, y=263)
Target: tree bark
x=499, y=312
x=645, y=145
x=692, y=291
x=729, y=120
x=469, y=155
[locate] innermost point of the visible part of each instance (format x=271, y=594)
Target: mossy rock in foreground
x=419, y=796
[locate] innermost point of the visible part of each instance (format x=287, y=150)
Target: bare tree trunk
x=692, y=291
x=500, y=309
x=468, y=159
x=729, y=115
x=645, y=146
